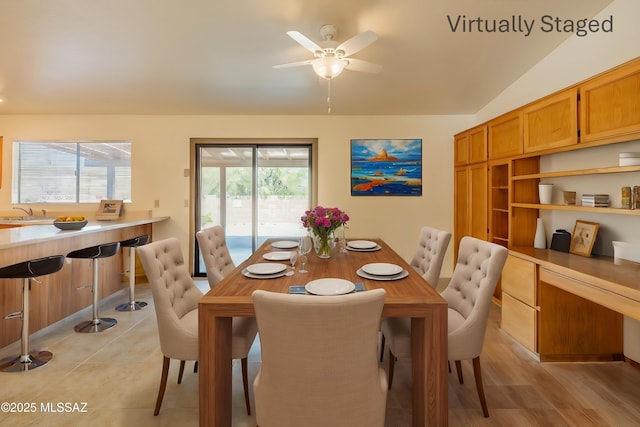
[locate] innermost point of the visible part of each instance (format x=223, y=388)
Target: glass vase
x=323, y=245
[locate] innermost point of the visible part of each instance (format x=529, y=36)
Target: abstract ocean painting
x=386, y=167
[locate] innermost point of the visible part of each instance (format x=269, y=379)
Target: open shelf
x=578, y=172
x=618, y=211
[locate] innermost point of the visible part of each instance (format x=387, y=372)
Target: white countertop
x=30, y=234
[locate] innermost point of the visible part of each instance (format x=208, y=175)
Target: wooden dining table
x=410, y=297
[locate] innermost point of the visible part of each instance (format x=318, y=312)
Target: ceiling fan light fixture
x=329, y=67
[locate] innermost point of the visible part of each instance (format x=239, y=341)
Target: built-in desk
x=577, y=303
x=57, y=296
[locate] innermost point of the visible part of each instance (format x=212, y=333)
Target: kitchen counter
x=56, y=296
x=28, y=233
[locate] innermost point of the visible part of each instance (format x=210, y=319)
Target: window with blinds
x=71, y=172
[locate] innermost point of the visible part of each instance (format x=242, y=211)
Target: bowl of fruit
x=70, y=222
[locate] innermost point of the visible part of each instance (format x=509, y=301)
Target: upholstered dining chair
x=319, y=360
x=215, y=253
x=468, y=295
x=430, y=253
x=427, y=261
x=176, y=297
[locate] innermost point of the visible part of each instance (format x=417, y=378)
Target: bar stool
x=132, y=244
x=26, y=271
x=94, y=253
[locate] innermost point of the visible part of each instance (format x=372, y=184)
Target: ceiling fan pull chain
x=329, y=96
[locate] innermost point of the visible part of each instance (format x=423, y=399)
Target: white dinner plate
x=362, y=244
x=277, y=256
x=285, y=244
x=266, y=268
x=375, y=248
x=263, y=276
x=401, y=275
x=382, y=269
x=329, y=286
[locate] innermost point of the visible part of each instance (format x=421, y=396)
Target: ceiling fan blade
x=357, y=43
x=304, y=41
x=364, y=66
x=294, y=64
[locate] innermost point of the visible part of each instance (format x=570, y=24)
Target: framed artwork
x=583, y=237
x=109, y=209
x=386, y=167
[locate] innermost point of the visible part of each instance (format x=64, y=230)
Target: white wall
x=160, y=147
x=577, y=59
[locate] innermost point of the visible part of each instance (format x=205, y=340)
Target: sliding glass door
x=255, y=191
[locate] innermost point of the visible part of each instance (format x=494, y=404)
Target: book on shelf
x=595, y=200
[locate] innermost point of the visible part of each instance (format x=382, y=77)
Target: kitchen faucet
x=28, y=212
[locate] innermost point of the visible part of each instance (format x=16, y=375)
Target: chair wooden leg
x=181, y=372
x=163, y=384
x=382, y=342
x=459, y=371
x=392, y=360
x=245, y=383
x=477, y=373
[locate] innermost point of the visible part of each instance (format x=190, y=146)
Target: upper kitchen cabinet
x=478, y=144
x=470, y=146
x=505, y=135
x=610, y=105
x=551, y=122
x=461, y=149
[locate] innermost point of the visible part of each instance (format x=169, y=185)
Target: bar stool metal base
x=131, y=306
x=97, y=325
x=26, y=362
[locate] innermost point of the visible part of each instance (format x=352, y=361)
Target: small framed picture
x=583, y=237
x=109, y=209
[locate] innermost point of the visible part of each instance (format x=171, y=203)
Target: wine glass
x=340, y=237
x=304, y=245
x=293, y=258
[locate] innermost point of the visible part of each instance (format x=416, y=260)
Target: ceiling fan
x=331, y=59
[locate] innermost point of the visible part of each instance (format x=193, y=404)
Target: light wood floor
x=117, y=372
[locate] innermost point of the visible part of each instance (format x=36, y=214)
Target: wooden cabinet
x=470, y=198
x=505, y=135
x=461, y=149
x=551, y=122
x=519, y=301
x=573, y=328
x=610, y=105
x=470, y=146
x=478, y=144
x=545, y=311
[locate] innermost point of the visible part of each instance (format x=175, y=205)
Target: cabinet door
x=461, y=208
x=610, y=105
x=478, y=144
x=461, y=149
x=519, y=280
x=551, y=122
x=478, y=201
x=505, y=135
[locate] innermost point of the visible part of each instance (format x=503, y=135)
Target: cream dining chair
x=427, y=261
x=176, y=297
x=319, y=360
x=468, y=295
x=215, y=254
x=218, y=263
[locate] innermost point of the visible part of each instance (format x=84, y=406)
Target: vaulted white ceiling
x=215, y=56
